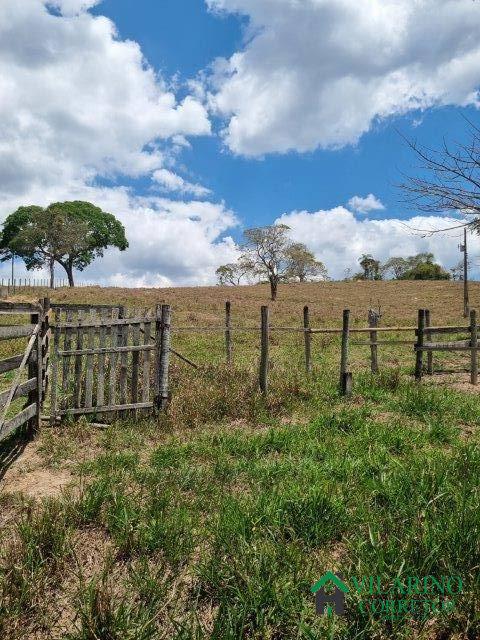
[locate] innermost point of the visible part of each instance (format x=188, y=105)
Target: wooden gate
x=106, y=360
x=30, y=367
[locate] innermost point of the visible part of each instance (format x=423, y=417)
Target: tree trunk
x=273, y=288
x=69, y=271
x=52, y=273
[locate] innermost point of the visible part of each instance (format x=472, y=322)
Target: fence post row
x=264, y=344
x=345, y=375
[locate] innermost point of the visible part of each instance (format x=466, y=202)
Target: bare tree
x=457, y=271
x=265, y=250
x=452, y=180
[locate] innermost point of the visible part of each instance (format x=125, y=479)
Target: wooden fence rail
x=425, y=345
x=32, y=365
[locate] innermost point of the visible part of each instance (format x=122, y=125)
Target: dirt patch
x=28, y=475
x=458, y=381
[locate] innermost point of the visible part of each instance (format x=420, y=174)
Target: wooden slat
x=454, y=343
x=66, y=362
x=448, y=348
x=78, y=364
x=105, y=350
x=21, y=390
x=384, y=342
x=123, y=331
x=55, y=367
x=105, y=409
x=112, y=385
x=82, y=307
x=96, y=323
x=135, y=359
x=19, y=306
x=101, y=365
x=89, y=367
x=16, y=331
x=16, y=382
x=9, y=364
x=147, y=329
x=448, y=330
x=16, y=422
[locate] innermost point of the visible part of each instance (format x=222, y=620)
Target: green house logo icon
x=330, y=602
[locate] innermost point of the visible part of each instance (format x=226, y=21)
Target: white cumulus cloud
x=77, y=104
x=339, y=239
x=171, y=181
x=318, y=73
x=72, y=7
x=367, y=204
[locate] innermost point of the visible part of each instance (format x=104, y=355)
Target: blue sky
x=193, y=119
x=183, y=37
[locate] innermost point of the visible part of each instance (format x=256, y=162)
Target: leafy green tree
x=72, y=234
x=233, y=273
x=371, y=268
x=396, y=266
x=302, y=264
x=426, y=271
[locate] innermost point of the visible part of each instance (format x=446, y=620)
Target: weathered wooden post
x=308, y=339
x=122, y=341
x=474, y=345
x=34, y=371
x=345, y=375
x=162, y=342
x=264, y=344
x=45, y=346
x=428, y=337
x=419, y=345
x=373, y=322
x=228, y=333
x=55, y=368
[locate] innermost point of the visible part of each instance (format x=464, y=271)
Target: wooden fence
x=105, y=361
x=420, y=332
x=30, y=367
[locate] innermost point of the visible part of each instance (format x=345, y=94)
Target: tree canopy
x=71, y=234
x=426, y=271
x=268, y=253
x=418, y=267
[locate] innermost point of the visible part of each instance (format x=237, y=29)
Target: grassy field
x=214, y=520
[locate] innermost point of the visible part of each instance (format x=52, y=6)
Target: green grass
x=214, y=520
x=219, y=532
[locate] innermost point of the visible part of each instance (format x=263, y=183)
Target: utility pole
x=463, y=249
x=13, y=262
